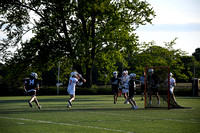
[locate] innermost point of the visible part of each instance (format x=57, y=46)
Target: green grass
x=95, y=114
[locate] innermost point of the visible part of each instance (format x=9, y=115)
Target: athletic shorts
x=154, y=90
x=115, y=89
x=32, y=93
x=71, y=91
x=142, y=88
x=125, y=90
x=171, y=90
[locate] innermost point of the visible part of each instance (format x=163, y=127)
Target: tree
x=153, y=55
x=196, y=54
x=82, y=31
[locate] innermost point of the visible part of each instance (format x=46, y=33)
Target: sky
x=174, y=19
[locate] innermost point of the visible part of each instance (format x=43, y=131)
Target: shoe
x=68, y=106
x=40, y=106
x=158, y=103
x=69, y=103
x=126, y=102
x=142, y=99
x=114, y=102
x=136, y=107
x=30, y=104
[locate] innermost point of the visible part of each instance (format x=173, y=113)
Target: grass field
x=95, y=114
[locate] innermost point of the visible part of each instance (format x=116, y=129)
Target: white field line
x=65, y=124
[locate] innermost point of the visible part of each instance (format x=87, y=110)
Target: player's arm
x=24, y=86
x=37, y=87
x=80, y=78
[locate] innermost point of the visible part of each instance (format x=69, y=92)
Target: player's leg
x=37, y=103
x=115, y=98
x=130, y=101
x=31, y=100
x=158, y=98
x=134, y=103
x=142, y=91
x=150, y=97
x=72, y=97
x=115, y=92
x=32, y=94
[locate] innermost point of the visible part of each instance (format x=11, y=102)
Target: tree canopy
x=85, y=32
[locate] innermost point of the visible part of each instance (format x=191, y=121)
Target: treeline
x=91, y=36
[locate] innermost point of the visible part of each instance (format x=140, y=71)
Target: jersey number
x=31, y=82
x=70, y=82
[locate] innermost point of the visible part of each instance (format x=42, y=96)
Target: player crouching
x=31, y=86
x=132, y=85
x=75, y=79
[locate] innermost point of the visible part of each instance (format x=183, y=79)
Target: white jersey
x=125, y=80
x=72, y=83
x=172, y=83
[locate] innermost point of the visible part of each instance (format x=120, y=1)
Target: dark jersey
x=115, y=81
x=131, y=87
x=153, y=81
x=31, y=84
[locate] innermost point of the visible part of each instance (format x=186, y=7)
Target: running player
x=132, y=86
x=172, y=83
x=31, y=86
x=115, y=85
x=75, y=79
x=125, y=86
x=142, y=85
x=153, y=82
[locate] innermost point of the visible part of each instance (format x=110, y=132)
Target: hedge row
x=95, y=90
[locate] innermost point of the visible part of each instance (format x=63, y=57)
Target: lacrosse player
x=142, y=85
x=31, y=86
x=75, y=79
x=115, y=85
x=132, y=86
x=125, y=87
x=172, y=84
x=153, y=82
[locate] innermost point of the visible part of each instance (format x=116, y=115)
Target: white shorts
x=171, y=90
x=125, y=90
x=71, y=91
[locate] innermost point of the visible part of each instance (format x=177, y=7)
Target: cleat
x=158, y=103
x=30, y=104
x=126, y=102
x=70, y=104
x=136, y=107
x=40, y=106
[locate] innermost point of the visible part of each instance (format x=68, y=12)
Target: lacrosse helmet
x=150, y=71
x=126, y=72
x=132, y=75
x=34, y=75
x=74, y=73
x=170, y=74
x=115, y=73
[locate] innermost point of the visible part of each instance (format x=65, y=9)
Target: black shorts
x=32, y=93
x=142, y=88
x=154, y=90
x=115, y=89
